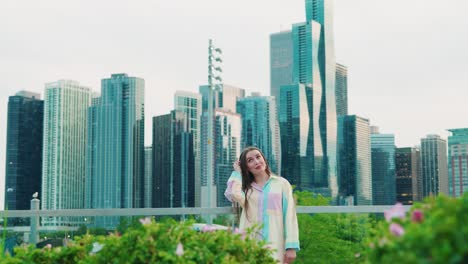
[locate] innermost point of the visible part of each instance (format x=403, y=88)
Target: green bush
x=152, y=242
x=330, y=238
x=435, y=231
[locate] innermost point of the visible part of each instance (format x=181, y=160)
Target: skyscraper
x=341, y=90
x=191, y=104
x=162, y=161
x=383, y=169
x=408, y=175
x=354, y=163
x=23, y=149
x=305, y=55
x=301, y=149
x=434, y=165
x=66, y=105
x=227, y=148
x=458, y=161
x=224, y=102
x=260, y=127
x=174, y=161
x=116, y=146
x=148, y=182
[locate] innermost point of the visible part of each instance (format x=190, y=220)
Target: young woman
x=267, y=201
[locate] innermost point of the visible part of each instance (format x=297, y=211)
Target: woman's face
x=255, y=162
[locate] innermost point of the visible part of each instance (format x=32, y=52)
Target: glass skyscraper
x=383, y=169
x=354, y=163
x=260, y=127
x=116, y=158
x=174, y=161
x=434, y=165
x=408, y=175
x=23, y=150
x=66, y=106
x=148, y=199
x=191, y=104
x=341, y=90
x=227, y=148
x=305, y=55
x=458, y=161
x=302, y=155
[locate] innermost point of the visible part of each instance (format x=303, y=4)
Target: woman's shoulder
x=280, y=179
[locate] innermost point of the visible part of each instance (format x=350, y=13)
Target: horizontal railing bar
x=185, y=211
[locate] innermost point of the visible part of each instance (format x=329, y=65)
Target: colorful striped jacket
x=272, y=207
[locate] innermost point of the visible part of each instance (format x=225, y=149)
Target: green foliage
x=435, y=231
x=152, y=242
x=330, y=238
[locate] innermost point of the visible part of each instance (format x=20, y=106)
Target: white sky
x=407, y=59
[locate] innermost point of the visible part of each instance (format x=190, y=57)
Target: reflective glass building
x=191, y=104
x=116, y=158
x=354, y=163
x=408, y=175
x=458, y=161
x=174, y=161
x=341, y=94
x=227, y=149
x=434, y=165
x=383, y=169
x=260, y=128
x=148, y=183
x=66, y=105
x=305, y=55
x=23, y=150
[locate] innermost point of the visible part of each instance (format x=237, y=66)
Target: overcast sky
x=407, y=59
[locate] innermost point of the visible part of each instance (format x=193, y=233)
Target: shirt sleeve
x=291, y=227
x=234, y=191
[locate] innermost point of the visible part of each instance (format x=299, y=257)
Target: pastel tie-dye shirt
x=272, y=207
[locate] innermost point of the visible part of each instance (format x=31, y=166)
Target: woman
x=267, y=201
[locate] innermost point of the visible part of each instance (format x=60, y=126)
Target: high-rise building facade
x=66, y=106
x=174, y=161
x=162, y=159
x=302, y=154
x=191, y=104
x=23, y=149
x=260, y=128
x=383, y=169
x=224, y=102
x=458, y=161
x=305, y=55
x=434, y=165
x=227, y=146
x=341, y=93
x=354, y=163
x=408, y=175
x=148, y=182
x=116, y=157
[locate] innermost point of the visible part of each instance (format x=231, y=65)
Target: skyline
x=385, y=46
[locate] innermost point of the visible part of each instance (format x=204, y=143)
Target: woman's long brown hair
x=247, y=176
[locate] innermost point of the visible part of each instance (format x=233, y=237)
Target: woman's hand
x=236, y=166
x=289, y=256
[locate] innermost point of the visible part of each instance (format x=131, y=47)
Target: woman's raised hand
x=236, y=166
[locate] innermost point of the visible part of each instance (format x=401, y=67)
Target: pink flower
x=238, y=231
x=417, y=216
x=145, y=221
x=397, y=211
x=180, y=249
x=208, y=228
x=396, y=229
x=48, y=246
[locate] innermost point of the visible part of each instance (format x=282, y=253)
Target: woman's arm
x=291, y=228
x=234, y=191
